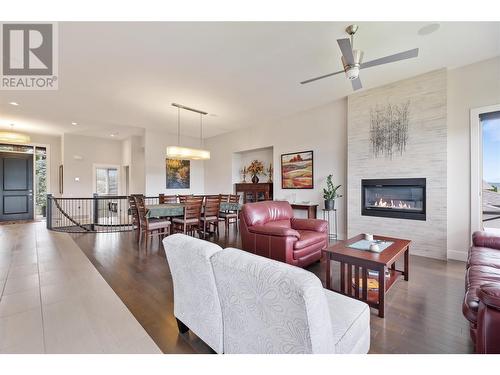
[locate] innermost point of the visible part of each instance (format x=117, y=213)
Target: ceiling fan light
x=187, y=153
x=352, y=72
x=11, y=137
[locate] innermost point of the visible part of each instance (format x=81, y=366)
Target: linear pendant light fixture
x=13, y=137
x=187, y=153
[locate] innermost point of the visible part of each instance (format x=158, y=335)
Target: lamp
x=12, y=137
x=187, y=153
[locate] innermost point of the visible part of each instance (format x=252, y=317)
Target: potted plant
x=330, y=193
x=255, y=168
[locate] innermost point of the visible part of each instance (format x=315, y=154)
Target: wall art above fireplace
x=403, y=198
x=389, y=129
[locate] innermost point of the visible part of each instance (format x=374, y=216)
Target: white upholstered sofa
x=239, y=302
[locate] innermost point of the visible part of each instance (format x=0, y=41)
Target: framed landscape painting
x=297, y=170
x=178, y=173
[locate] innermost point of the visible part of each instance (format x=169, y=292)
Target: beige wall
x=471, y=86
x=321, y=129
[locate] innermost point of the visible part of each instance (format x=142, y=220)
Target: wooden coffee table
x=362, y=261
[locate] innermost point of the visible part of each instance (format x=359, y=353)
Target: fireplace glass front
x=402, y=198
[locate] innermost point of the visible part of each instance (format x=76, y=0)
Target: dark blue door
x=16, y=186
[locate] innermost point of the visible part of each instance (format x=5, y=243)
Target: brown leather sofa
x=269, y=229
x=481, y=304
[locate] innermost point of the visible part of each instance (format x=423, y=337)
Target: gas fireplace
x=402, y=198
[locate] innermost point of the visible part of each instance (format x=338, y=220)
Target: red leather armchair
x=270, y=230
x=481, y=305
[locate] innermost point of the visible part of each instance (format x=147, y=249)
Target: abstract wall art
x=389, y=129
x=297, y=170
x=178, y=173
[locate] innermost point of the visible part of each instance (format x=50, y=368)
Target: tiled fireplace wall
x=424, y=157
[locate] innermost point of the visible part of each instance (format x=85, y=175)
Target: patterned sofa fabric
x=196, y=302
x=271, y=307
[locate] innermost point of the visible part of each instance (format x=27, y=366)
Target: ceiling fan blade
x=321, y=77
x=356, y=84
x=392, y=58
x=346, y=49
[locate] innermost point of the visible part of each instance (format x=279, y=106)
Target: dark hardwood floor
x=422, y=315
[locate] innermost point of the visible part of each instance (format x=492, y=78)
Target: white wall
x=245, y=158
x=322, y=129
x=133, y=157
x=471, y=86
x=155, y=144
x=91, y=150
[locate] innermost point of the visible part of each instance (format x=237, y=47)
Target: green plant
x=330, y=192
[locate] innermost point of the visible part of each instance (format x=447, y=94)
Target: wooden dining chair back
x=167, y=199
x=190, y=222
x=210, y=216
x=234, y=198
x=150, y=227
x=133, y=212
x=224, y=197
x=184, y=198
x=230, y=216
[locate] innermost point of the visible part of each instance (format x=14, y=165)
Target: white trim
x=476, y=165
x=457, y=255
x=111, y=166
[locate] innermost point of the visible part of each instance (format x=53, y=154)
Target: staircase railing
x=88, y=215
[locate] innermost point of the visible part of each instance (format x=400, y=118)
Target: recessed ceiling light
x=74, y=123
x=14, y=104
x=429, y=29
x=112, y=135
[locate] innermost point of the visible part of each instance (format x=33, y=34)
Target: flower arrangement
x=255, y=168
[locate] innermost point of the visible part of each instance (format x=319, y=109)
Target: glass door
x=490, y=129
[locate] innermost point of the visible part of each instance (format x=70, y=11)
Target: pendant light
x=187, y=153
x=12, y=137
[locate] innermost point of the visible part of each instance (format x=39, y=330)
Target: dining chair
x=150, y=227
x=224, y=198
x=184, y=198
x=230, y=216
x=190, y=222
x=210, y=216
x=167, y=198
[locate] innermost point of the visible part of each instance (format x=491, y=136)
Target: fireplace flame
x=391, y=204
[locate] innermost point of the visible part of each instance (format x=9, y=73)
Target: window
x=107, y=181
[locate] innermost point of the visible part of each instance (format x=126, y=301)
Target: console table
x=311, y=209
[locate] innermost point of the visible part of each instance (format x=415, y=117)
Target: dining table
x=177, y=209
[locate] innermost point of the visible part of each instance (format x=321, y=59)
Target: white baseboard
x=457, y=255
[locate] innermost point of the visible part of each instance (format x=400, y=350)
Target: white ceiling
x=121, y=77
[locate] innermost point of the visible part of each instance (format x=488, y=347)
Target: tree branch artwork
x=389, y=129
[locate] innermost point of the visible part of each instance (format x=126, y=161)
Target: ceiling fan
x=352, y=59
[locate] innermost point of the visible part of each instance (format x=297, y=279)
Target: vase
x=329, y=204
x=255, y=179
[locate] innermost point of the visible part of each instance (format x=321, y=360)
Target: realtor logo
x=29, y=56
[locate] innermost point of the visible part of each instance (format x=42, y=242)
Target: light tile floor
x=53, y=300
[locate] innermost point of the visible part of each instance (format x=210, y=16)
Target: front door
x=16, y=187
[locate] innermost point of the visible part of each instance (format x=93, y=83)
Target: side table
x=331, y=217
